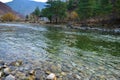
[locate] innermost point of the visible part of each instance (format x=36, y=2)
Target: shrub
x=8, y=17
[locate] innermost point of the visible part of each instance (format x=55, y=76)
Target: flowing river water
x=90, y=55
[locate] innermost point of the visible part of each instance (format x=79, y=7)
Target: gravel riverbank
x=48, y=70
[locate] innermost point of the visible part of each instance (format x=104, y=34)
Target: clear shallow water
x=92, y=50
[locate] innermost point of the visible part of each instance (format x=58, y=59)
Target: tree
x=26, y=17
x=36, y=14
x=74, y=15
x=45, y=13
x=93, y=8
x=72, y=5
x=55, y=10
x=8, y=17
x=84, y=10
x=115, y=8
x=105, y=7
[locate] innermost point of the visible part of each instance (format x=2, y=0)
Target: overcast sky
x=32, y=0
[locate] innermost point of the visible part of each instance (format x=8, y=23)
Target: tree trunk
x=56, y=20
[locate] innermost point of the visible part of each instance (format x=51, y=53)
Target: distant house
x=44, y=19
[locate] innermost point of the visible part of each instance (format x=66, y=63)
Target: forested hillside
x=83, y=11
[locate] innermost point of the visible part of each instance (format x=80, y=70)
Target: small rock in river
x=7, y=71
x=78, y=77
x=2, y=62
x=47, y=72
x=4, y=66
x=20, y=76
x=39, y=75
x=63, y=73
x=32, y=72
x=31, y=77
x=28, y=67
x=51, y=76
x=55, y=69
x=1, y=73
x=0, y=67
x=16, y=63
x=10, y=77
x=101, y=68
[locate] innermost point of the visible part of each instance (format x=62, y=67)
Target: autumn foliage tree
x=73, y=16
x=8, y=17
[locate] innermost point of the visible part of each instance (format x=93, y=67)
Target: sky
x=4, y=1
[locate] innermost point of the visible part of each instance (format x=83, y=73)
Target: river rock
x=47, y=72
x=31, y=77
x=65, y=68
x=27, y=67
x=6, y=71
x=4, y=66
x=20, y=75
x=55, y=69
x=40, y=75
x=32, y=72
x=101, y=68
x=0, y=67
x=51, y=76
x=63, y=74
x=59, y=79
x=2, y=62
x=16, y=63
x=1, y=73
x=102, y=77
x=10, y=77
x=78, y=77
x=69, y=77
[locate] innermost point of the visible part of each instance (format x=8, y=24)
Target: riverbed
x=71, y=54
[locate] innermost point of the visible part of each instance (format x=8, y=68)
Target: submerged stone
x=51, y=76
x=20, y=75
x=1, y=73
x=6, y=71
x=32, y=72
x=2, y=62
x=10, y=77
x=40, y=75
x=16, y=63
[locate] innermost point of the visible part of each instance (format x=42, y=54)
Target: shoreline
x=114, y=30
x=70, y=25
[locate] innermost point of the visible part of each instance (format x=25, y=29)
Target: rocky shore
x=47, y=70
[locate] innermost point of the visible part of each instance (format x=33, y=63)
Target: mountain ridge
x=25, y=7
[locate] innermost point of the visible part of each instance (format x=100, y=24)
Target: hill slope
x=25, y=7
x=6, y=9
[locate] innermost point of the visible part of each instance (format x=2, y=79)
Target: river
x=93, y=53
